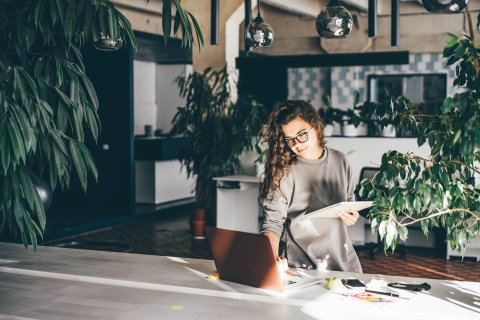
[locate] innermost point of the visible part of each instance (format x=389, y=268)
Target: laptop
x=247, y=258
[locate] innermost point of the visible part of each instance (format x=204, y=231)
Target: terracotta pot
x=199, y=214
x=198, y=229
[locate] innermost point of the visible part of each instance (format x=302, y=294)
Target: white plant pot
x=328, y=130
x=260, y=167
x=389, y=131
x=349, y=130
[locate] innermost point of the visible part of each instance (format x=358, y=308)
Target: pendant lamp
x=334, y=22
x=107, y=43
x=258, y=33
x=109, y=36
x=445, y=6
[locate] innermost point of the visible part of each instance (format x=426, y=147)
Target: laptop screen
x=245, y=258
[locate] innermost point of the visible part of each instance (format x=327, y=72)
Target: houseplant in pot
x=261, y=150
x=48, y=105
x=351, y=118
x=442, y=189
x=220, y=130
x=348, y=120
x=329, y=115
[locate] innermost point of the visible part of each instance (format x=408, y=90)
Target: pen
x=391, y=294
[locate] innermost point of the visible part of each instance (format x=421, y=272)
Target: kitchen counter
x=159, y=177
x=57, y=283
x=161, y=148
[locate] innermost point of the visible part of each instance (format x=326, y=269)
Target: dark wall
x=113, y=197
x=114, y=194
x=267, y=85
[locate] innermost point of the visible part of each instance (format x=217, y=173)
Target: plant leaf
x=78, y=163
x=166, y=20
x=89, y=161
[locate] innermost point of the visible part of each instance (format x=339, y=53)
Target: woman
x=303, y=175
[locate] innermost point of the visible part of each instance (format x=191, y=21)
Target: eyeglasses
x=300, y=138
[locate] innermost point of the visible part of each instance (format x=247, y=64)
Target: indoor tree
x=220, y=129
x=47, y=103
x=441, y=190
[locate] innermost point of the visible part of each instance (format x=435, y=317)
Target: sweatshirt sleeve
x=274, y=213
x=350, y=183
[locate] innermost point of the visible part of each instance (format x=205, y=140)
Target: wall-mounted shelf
x=324, y=60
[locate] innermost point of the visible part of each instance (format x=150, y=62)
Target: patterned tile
x=308, y=84
x=341, y=82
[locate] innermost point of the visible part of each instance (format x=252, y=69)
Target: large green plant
x=47, y=103
x=440, y=190
x=220, y=129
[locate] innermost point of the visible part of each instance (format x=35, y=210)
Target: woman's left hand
x=349, y=217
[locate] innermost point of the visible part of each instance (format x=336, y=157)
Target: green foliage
x=184, y=19
x=439, y=191
x=330, y=115
x=47, y=103
x=220, y=129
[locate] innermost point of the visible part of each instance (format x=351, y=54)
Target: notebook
x=331, y=211
x=248, y=258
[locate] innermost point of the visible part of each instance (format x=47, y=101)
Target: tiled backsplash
x=341, y=82
x=308, y=84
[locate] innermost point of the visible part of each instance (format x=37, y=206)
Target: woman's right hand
x=282, y=265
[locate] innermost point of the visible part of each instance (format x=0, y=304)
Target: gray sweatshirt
x=310, y=185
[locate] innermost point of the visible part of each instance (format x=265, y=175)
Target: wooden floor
x=170, y=236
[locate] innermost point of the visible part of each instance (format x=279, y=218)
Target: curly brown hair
x=279, y=156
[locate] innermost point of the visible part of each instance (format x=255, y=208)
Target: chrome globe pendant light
x=106, y=43
x=445, y=6
x=334, y=21
x=258, y=33
x=108, y=37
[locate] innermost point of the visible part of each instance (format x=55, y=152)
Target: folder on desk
x=333, y=210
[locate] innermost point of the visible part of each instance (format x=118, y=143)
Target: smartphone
x=353, y=283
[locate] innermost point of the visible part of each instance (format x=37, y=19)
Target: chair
x=374, y=248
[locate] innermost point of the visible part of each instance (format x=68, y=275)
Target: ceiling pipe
x=248, y=19
x=214, y=23
x=372, y=18
x=395, y=22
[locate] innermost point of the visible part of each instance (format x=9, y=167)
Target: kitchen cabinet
x=237, y=204
x=361, y=152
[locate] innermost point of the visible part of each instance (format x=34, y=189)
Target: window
x=427, y=91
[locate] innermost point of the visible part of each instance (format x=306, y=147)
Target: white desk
x=57, y=283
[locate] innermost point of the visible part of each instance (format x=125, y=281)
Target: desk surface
x=57, y=283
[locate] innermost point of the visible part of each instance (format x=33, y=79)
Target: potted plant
x=261, y=150
x=349, y=119
x=220, y=130
x=329, y=115
x=443, y=189
x=47, y=103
